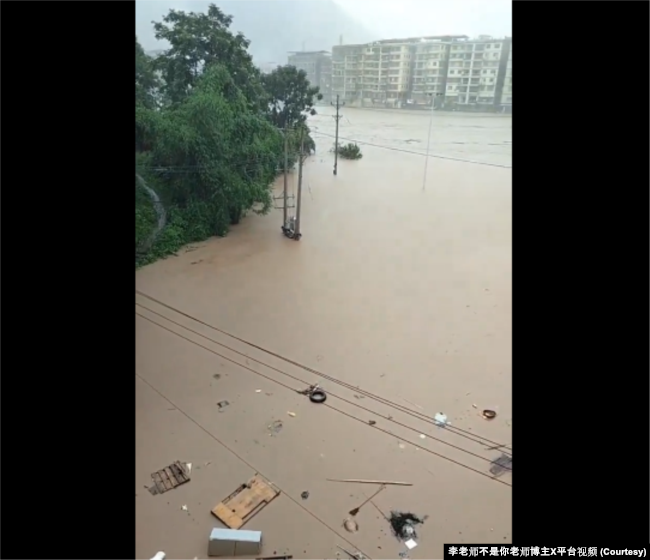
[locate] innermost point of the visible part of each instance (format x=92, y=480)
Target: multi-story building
x=506, y=92
x=374, y=73
x=430, y=69
x=474, y=72
x=450, y=71
x=318, y=67
x=346, y=71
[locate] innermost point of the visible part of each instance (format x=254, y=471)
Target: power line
x=249, y=465
x=303, y=382
x=326, y=404
x=408, y=412
x=394, y=405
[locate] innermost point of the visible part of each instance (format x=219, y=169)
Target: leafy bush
x=349, y=151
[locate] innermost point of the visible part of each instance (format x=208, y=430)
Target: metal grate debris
x=501, y=465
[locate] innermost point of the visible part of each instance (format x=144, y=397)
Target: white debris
x=410, y=544
x=184, y=507
x=440, y=420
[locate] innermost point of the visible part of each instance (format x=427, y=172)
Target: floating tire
x=318, y=396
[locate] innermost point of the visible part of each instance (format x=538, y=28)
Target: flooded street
x=484, y=138
x=394, y=291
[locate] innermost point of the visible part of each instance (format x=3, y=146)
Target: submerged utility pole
x=286, y=174
x=426, y=158
x=301, y=158
x=337, y=118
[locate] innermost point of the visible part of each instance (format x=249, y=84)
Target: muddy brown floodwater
x=396, y=290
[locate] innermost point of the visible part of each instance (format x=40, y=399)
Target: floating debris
x=315, y=393
x=489, y=414
x=501, y=465
x=275, y=427
x=304, y=495
x=354, y=555
x=410, y=544
x=223, y=405
x=403, y=524
x=440, y=420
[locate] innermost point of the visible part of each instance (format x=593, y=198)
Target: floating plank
x=242, y=505
x=170, y=477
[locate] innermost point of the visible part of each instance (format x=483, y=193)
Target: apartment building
x=318, y=67
x=430, y=69
x=372, y=74
x=454, y=71
x=346, y=71
x=475, y=73
x=506, y=92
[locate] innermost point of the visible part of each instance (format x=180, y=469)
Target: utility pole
x=285, y=197
x=426, y=158
x=301, y=158
x=337, y=118
x=286, y=174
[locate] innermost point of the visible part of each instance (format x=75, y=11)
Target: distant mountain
x=274, y=28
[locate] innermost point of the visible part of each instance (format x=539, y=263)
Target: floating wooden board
x=238, y=508
x=170, y=477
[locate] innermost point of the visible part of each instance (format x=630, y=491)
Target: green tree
x=218, y=156
x=146, y=82
x=291, y=98
x=197, y=41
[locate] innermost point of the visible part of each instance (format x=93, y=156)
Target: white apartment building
x=476, y=72
x=374, y=73
x=506, y=92
x=454, y=70
x=429, y=69
x=346, y=71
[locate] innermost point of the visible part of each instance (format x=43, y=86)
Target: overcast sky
x=381, y=19
x=404, y=18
